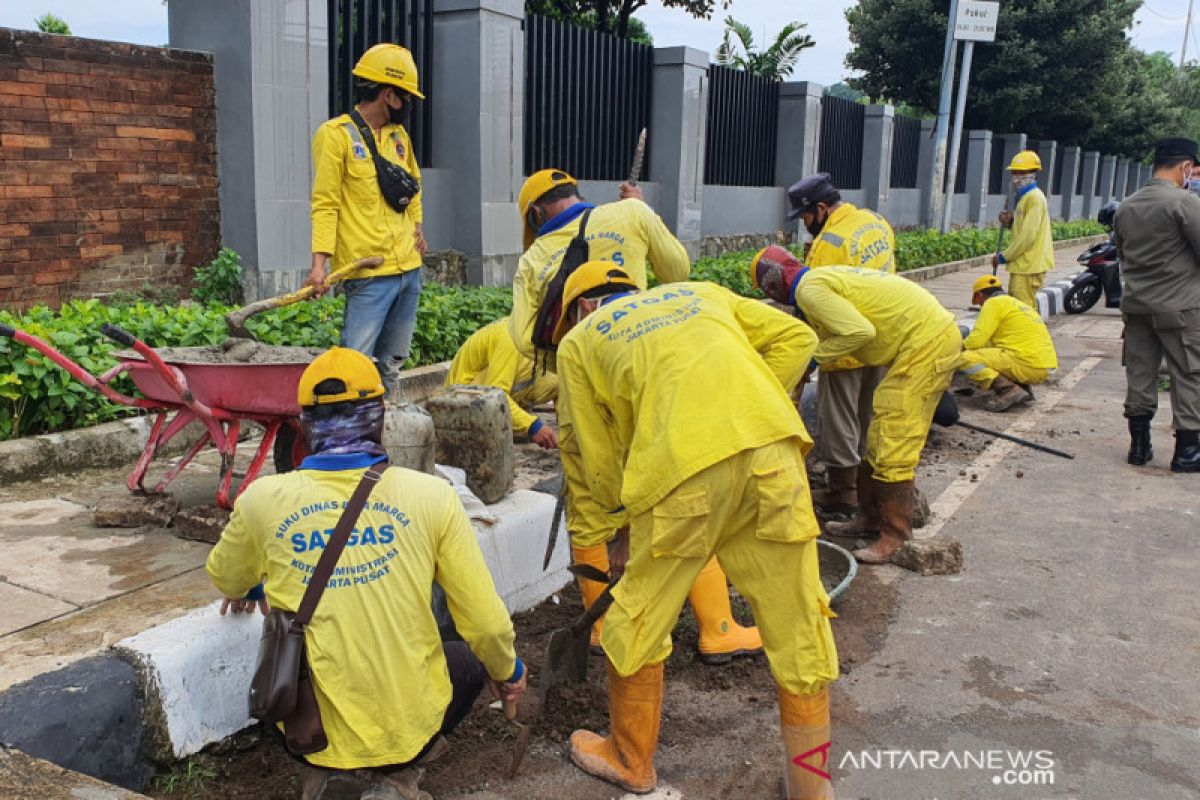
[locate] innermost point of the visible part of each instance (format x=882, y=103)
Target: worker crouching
x=1009, y=349
x=881, y=320
x=678, y=400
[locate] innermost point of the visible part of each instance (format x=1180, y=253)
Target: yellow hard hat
x=984, y=283
x=352, y=368
x=534, y=187
x=390, y=64
x=1025, y=161
x=586, y=277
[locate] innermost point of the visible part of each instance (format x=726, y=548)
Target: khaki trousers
x=844, y=413
x=1148, y=339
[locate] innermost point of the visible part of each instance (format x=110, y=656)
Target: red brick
x=56, y=277
x=101, y=250
x=27, y=191
x=14, y=229
x=23, y=140
x=40, y=76
x=169, y=134
x=20, y=88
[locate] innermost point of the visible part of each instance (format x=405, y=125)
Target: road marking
x=962, y=487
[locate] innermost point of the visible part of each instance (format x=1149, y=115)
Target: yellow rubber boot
x=804, y=722
x=721, y=638
x=597, y=556
x=626, y=756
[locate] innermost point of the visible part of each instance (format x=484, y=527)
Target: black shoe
x=1187, y=452
x=1140, y=451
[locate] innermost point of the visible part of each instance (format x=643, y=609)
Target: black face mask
x=817, y=225
x=398, y=116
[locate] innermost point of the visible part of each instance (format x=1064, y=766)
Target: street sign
x=976, y=21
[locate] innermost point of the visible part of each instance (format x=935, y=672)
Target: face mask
x=1021, y=181
x=818, y=223
x=398, y=115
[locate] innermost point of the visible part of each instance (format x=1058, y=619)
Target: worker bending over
x=489, y=358
x=678, y=401
x=886, y=321
x=1009, y=349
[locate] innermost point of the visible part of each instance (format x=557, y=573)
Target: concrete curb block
x=923, y=274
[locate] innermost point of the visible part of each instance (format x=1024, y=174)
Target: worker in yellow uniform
x=882, y=320
x=1009, y=348
x=366, y=203
x=489, y=358
x=678, y=398
x=629, y=233
x=845, y=236
x=1030, y=252
x=388, y=688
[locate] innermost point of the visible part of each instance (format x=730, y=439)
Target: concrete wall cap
x=674, y=56
x=511, y=8
x=980, y=136
x=801, y=89
x=881, y=110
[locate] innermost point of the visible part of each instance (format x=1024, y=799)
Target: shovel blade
x=566, y=660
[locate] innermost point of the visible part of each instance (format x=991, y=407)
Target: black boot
x=1140, y=450
x=1187, y=452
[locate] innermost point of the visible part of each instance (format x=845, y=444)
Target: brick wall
x=108, y=170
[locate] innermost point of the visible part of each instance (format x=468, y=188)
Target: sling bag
x=397, y=185
x=282, y=689
x=551, y=308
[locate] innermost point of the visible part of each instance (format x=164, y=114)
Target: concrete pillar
x=271, y=74
x=1121, y=179
x=1047, y=153
x=799, y=138
x=877, y=155
x=1012, y=143
x=478, y=114
x=979, y=162
x=1091, y=168
x=1108, y=174
x=1071, y=206
x=924, y=160
x=678, y=119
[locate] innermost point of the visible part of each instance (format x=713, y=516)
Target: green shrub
x=221, y=280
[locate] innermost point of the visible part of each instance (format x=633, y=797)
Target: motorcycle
x=1101, y=275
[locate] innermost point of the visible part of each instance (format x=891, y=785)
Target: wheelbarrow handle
x=8, y=330
x=119, y=334
x=71, y=368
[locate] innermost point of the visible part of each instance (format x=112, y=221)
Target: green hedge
x=37, y=397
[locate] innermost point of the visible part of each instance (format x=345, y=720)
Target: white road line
x=962, y=487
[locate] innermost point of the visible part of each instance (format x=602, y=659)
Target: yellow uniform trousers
x=1025, y=287
x=904, y=405
x=983, y=365
x=753, y=511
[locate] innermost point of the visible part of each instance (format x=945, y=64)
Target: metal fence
x=1060, y=165
x=743, y=112
x=906, y=151
x=960, y=177
x=587, y=97
x=996, y=174
x=841, y=148
x=360, y=24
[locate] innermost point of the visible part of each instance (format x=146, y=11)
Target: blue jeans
x=380, y=316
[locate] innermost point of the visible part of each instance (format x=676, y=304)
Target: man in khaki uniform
x=1158, y=238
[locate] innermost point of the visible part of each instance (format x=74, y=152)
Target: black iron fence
x=587, y=97
x=906, y=151
x=355, y=26
x=997, y=176
x=841, y=148
x=1060, y=165
x=743, y=114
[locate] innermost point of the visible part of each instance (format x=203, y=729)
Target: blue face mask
x=360, y=431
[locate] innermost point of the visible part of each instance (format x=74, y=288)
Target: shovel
x=567, y=653
x=524, y=732
x=236, y=320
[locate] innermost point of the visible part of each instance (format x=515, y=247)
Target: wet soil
x=233, y=351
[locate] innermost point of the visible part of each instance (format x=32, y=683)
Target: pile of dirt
x=233, y=351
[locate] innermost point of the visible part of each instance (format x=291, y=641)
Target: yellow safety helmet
x=985, y=282
x=534, y=187
x=1025, y=161
x=390, y=64
x=352, y=368
x=589, y=275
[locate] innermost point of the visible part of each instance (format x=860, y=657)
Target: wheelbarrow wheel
x=290, y=449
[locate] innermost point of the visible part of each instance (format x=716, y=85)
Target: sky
x=1159, y=26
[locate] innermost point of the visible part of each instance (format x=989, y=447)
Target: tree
x=1057, y=70
x=614, y=16
x=49, y=23
x=776, y=62
x=635, y=31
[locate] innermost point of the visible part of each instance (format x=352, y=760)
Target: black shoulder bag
x=397, y=185
x=551, y=308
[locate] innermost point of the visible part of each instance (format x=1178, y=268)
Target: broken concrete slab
x=23, y=777
x=938, y=555
x=134, y=511
x=47, y=511
x=201, y=524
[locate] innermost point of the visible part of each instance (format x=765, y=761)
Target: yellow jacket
x=373, y=644
x=1007, y=323
x=1031, y=249
x=627, y=232
x=853, y=237
x=489, y=358
x=869, y=314
x=657, y=386
x=350, y=218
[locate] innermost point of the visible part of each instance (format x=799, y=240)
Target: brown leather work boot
x=840, y=494
x=895, y=504
x=1006, y=394
x=866, y=519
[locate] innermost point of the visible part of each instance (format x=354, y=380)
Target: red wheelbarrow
x=218, y=396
